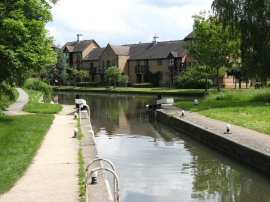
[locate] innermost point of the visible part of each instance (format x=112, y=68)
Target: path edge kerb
x=254, y=158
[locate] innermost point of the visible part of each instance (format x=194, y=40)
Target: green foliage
x=20, y=139
x=81, y=175
x=56, y=73
x=38, y=85
x=124, y=80
x=24, y=43
x=7, y=95
x=214, y=47
x=35, y=106
x=82, y=74
x=183, y=82
x=196, y=77
x=248, y=108
x=113, y=75
x=143, y=85
x=251, y=19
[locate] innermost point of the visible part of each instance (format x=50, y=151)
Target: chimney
x=155, y=39
x=79, y=38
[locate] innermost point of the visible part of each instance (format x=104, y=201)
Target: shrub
x=142, y=85
x=38, y=85
x=7, y=95
x=192, y=84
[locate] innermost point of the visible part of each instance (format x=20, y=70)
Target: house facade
x=168, y=58
x=140, y=62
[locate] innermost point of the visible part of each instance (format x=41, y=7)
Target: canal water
x=159, y=164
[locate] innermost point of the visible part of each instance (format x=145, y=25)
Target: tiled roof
x=78, y=46
x=157, y=50
x=190, y=35
x=143, y=51
x=121, y=50
x=95, y=54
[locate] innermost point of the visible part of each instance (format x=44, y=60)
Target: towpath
x=52, y=176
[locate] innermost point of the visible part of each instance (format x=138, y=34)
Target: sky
x=121, y=22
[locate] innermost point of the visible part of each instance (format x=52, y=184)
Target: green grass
x=20, y=139
x=249, y=108
x=34, y=106
x=81, y=172
x=81, y=175
x=131, y=89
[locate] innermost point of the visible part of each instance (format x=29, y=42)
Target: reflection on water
x=156, y=163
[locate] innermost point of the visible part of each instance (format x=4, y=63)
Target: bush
x=7, y=95
x=38, y=85
x=142, y=85
x=188, y=83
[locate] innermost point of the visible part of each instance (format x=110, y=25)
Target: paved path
x=52, y=176
x=16, y=107
x=252, y=139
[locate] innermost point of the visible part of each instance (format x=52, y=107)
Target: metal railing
x=112, y=171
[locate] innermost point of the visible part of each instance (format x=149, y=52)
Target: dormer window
x=171, y=62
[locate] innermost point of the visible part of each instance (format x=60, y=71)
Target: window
x=159, y=62
x=103, y=63
x=171, y=62
x=108, y=63
x=113, y=62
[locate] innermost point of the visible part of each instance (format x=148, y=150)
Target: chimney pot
x=79, y=38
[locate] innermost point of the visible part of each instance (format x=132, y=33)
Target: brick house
x=168, y=58
x=76, y=51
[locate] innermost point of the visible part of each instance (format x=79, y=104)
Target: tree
x=251, y=19
x=124, y=80
x=214, y=45
x=196, y=77
x=113, y=75
x=82, y=74
x=25, y=46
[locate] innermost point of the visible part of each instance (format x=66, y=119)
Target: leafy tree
x=61, y=66
x=203, y=72
x=196, y=77
x=214, y=45
x=251, y=19
x=25, y=46
x=113, y=75
x=82, y=74
x=124, y=80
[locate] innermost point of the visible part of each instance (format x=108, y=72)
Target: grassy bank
x=34, y=104
x=21, y=136
x=20, y=139
x=249, y=108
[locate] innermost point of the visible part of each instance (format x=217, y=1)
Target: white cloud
x=124, y=21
